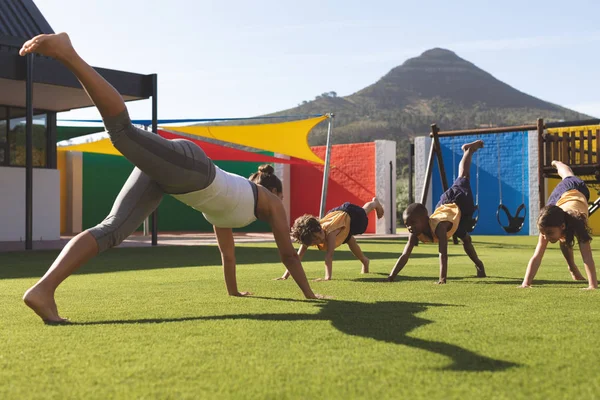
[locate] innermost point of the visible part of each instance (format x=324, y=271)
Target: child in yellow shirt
x=337, y=227
x=452, y=215
x=565, y=218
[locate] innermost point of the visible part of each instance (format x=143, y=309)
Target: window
x=3, y=144
x=12, y=138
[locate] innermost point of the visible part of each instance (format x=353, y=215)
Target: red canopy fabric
x=224, y=153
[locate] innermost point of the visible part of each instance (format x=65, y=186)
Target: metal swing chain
x=523, y=168
x=477, y=181
x=499, y=175
x=452, y=146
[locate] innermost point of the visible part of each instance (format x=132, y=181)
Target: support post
x=411, y=167
x=428, y=171
x=438, y=152
x=541, y=183
x=29, y=153
x=154, y=216
x=326, y=170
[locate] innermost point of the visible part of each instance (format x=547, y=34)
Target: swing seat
x=515, y=224
x=470, y=222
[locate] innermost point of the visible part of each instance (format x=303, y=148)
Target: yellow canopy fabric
x=289, y=138
x=93, y=143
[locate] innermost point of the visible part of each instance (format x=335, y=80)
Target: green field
x=157, y=323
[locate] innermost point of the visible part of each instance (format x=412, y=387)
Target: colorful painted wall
x=503, y=168
x=352, y=175
x=104, y=175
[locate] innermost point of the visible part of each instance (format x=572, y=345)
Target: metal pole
x=411, y=156
x=326, y=170
x=541, y=183
x=154, y=218
x=392, y=195
x=440, y=160
x=29, y=154
x=428, y=171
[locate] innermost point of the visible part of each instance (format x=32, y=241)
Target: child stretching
x=337, y=227
x=564, y=218
x=452, y=215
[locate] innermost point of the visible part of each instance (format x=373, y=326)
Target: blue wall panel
x=514, y=174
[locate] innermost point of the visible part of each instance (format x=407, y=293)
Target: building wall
x=46, y=204
x=104, y=176
x=351, y=178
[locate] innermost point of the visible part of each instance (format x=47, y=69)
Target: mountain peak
x=439, y=53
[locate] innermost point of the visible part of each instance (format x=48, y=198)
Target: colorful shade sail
x=289, y=138
x=100, y=143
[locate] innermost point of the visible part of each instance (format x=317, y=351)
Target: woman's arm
x=535, y=261
x=227, y=248
x=277, y=219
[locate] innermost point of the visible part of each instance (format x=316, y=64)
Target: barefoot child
x=176, y=167
x=452, y=215
x=565, y=218
x=337, y=227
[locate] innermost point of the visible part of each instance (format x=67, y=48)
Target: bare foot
x=378, y=207
x=44, y=305
x=524, y=286
x=474, y=146
x=441, y=282
x=321, y=279
x=365, y=266
x=57, y=46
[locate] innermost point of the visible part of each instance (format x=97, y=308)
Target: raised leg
x=179, y=166
x=468, y=149
x=563, y=169
x=374, y=204
x=58, y=46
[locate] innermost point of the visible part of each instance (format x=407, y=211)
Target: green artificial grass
x=157, y=323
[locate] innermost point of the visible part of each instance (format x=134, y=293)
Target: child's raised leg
x=468, y=149
x=563, y=169
x=355, y=249
x=374, y=205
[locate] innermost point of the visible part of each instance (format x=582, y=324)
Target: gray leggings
x=161, y=166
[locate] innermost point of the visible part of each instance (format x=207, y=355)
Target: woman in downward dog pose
x=176, y=167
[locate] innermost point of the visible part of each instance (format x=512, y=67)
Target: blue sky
x=244, y=58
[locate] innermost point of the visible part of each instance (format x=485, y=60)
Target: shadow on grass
x=30, y=265
x=517, y=282
x=387, y=321
x=403, y=278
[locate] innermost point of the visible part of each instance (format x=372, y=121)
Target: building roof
x=21, y=20
x=55, y=88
